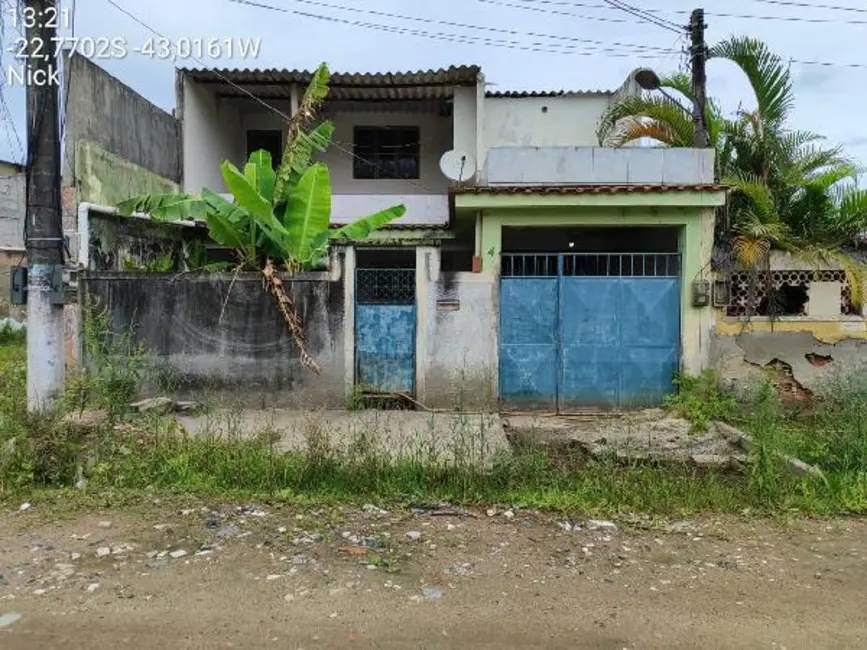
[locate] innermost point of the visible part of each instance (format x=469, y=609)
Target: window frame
x=275, y=162
x=372, y=151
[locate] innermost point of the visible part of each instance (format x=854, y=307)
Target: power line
x=256, y=99
x=808, y=5
x=528, y=5
x=9, y=120
x=643, y=16
x=830, y=64
x=447, y=23
x=452, y=37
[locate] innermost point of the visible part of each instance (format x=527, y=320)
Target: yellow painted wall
x=827, y=331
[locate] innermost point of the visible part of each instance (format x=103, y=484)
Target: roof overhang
x=551, y=196
x=343, y=86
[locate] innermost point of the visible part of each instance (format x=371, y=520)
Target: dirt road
x=187, y=576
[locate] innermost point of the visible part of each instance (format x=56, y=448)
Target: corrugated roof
x=404, y=226
x=344, y=86
x=520, y=94
x=585, y=189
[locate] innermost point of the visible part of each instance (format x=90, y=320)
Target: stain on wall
x=222, y=333
x=460, y=371
x=106, y=112
x=106, y=179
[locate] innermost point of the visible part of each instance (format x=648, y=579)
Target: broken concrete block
x=85, y=420
x=157, y=405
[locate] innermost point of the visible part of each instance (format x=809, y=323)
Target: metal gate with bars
x=588, y=331
x=385, y=315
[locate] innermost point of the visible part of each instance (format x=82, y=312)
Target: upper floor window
x=270, y=141
x=386, y=152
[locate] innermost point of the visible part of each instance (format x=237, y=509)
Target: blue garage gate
x=588, y=331
x=385, y=315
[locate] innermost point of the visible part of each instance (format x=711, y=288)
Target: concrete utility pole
x=698, y=56
x=43, y=229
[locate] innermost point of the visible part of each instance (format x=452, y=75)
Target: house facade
x=552, y=275
x=532, y=268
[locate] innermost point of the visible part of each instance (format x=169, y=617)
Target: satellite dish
x=458, y=166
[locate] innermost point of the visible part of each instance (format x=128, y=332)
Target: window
x=270, y=141
x=386, y=152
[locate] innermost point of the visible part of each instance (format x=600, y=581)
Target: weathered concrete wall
x=813, y=349
x=458, y=319
x=542, y=164
x=110, y=114
x=12, y=209
x=128, y=243
x=12, y=205
x=106, y=179
x=569, y=120
x=755, y=356
x=225, y=334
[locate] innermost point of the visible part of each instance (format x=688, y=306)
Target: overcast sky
x=829, y=98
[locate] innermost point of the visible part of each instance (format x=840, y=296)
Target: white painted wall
x=436, y=136
x=212, y=132
x=570, y=121
x=465, y=118
x=421, y=209
x=456, y=341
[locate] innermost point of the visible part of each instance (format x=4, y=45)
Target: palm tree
x=789, y=192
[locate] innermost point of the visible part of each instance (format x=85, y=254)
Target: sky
x=520, y=44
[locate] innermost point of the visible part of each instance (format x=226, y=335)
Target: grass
x=130, y=455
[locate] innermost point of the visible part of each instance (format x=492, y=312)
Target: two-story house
x=532, y=266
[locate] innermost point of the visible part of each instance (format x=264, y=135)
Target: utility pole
x=698, y=56
x=43, y=229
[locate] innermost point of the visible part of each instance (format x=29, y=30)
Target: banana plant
x=281, y=216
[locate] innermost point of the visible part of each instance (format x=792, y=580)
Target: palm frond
x=679, y=81
x=678, y=125
x=757, y=192
x=768, y=75
x=749, y=251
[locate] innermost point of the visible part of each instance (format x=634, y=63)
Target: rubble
x=85, y=420
x=653, y=436
x=156, y=405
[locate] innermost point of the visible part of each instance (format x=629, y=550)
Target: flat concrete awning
x=518, y=196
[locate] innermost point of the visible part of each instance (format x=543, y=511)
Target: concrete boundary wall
x=215, y=332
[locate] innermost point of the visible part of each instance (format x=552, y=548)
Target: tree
x=282, y=215
x=788, y=191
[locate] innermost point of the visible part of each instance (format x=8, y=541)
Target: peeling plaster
x=740, y=359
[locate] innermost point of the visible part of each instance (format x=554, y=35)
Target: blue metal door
x=385, y=322
x=588, y=331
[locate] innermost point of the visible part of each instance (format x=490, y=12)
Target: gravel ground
x=201, y=575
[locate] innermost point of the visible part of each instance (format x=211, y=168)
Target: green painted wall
x=689, y=219
x=106, y=179
x=695, y=242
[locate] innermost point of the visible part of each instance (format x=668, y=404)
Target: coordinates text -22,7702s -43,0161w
x=118, y=47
